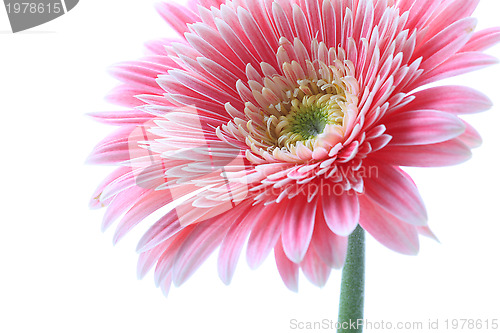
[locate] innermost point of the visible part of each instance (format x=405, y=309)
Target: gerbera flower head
x=283, y=124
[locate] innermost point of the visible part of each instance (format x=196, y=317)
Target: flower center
x=302, y=112
x=307, y=119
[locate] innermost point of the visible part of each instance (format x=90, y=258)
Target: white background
x=59, y=273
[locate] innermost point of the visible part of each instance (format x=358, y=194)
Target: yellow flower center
x=306, y=119
x=302, y=113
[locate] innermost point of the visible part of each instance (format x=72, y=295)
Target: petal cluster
x=282, y=125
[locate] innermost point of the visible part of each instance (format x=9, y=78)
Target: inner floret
x=307, y=119
x=300, y=113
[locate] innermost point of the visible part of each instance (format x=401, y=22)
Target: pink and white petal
x=122, y=118
x=457, y=64
x=233, y=244
x=265, y=233
x=288, y=270
x=116, y=147
x=140, y=75
x=140, y=210
x=446, y=43
x=391, y=189
x=124, y=95
x=166, y=284
x=164, y=228
x=149, y=258
x=435, y=155
x=121, y=203
x=341, y=212
x=423, y=127
x=315, y=269
x=471, y=137
x=96, y=201
x=331, y=248
x=207, y=3
x=395, y=234
x=177, y=16
x=156, y=47
x=450, y=12
x=427, y=232
x=482, y=40
x=453, y=99
x=200, y=243
x=298, y=227
x=163, y=269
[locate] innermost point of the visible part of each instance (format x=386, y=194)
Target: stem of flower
x=352, y=290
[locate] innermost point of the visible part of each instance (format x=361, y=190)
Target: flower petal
x=423, y=127
x=391, y=189
x=315, y=269
x=452, y=99
x=265, y=233
x=298, y=227
x=481, y=40
x=233, y=244
x=200, y=243
x=341, y=212
x=388, y=229
x=289, y=271
x=329, y=247
x=435, y=155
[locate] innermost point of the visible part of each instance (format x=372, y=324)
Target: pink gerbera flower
x=284, y=124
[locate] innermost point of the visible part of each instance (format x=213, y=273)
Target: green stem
x=352, y=290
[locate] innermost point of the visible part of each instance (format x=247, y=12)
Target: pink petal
x=298, y=227
x=163, y=270
x=388, y=229
x=208, y=3
x=140, y=78
x=457, y=64
x=121, y=203
x=255, y=35
x=452, y=99
x=341, y=212
x=233, y=243
x=449, y=13
x=289, y=271
x=265, y=233
x=482, y=40
x=315, y=269
x=96, y=202
x=166, y=284
x=446, y=43
x=282, y=24
x=142, y=209
x=471, y=137
x=116, y=147
x=164, y=228
x=427, y=232
x=200, y=243
x=149, y=258
x=128, y=117
x=438, y=154
x=391, y=189
x=124, y=95
x=423, y=127
x=330, y=247
x=177, y=16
